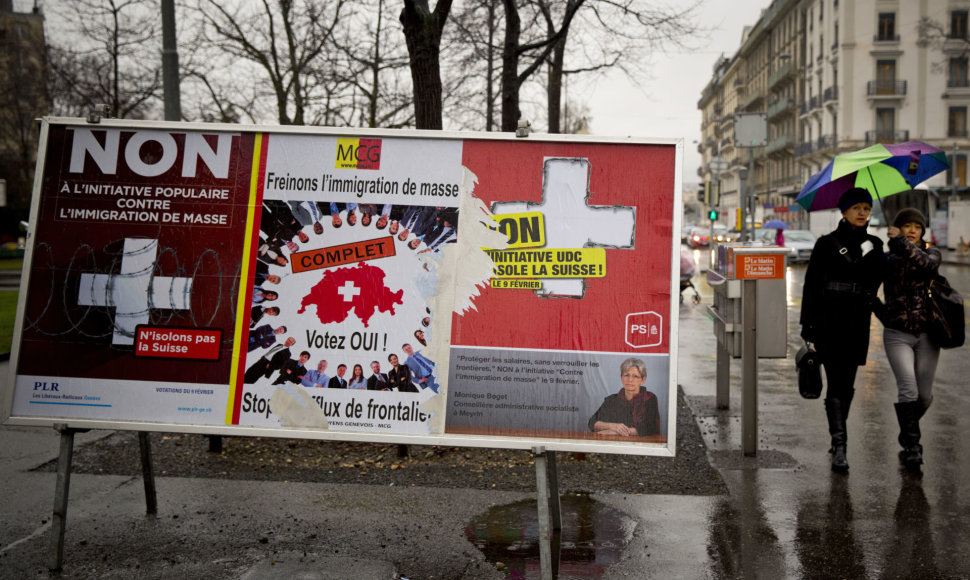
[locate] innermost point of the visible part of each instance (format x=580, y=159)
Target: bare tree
x=285, y=40
x=109, y=55
x=938, y=36
x=472, y=60
x=422, y=32
x=608, y=35
x=371, y=60
x=513, y=51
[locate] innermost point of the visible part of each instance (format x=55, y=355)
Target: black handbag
x=945, y=314
x=809, y=366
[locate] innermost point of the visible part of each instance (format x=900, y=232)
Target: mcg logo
x=354, y=153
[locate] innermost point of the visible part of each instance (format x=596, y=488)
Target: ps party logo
x=353, y=153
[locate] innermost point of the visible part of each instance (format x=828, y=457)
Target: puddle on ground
x=593, y=537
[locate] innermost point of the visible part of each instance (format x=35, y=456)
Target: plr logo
x=354, y=153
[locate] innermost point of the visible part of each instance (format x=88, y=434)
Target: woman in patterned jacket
x=911, y=352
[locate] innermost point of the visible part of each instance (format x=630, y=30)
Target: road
x=787, y=515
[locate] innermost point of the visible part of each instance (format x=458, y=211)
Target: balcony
x=804, y=109
x=958, y=82
x=803, y=149
x=954, y=45
x=779, y=144
x=813, y=103
x=885, y=38
x=886, y=89
x=783, y=72
x=825, y=142
x=780, y=106
x=756, y=96
x=830, y=94
x=956, y=132
x=886, y=136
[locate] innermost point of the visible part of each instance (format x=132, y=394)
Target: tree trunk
x=375, y=70
x=554, y=91
x=490, y=71
x=510, y=67
x=422, y=32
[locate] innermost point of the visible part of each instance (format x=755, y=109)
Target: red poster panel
x=541, y=352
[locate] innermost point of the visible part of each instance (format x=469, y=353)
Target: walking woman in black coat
x=840, y=287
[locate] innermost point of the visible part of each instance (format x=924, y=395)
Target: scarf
x=638, y=402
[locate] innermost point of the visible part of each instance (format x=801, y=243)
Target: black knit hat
x=909, y=215
x=854, y=196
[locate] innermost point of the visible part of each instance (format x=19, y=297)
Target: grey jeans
x=913, y=360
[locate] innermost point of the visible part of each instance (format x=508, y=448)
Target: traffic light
x=702, y=193
x=712, y=215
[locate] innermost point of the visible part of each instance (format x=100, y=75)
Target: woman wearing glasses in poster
x=632, y=412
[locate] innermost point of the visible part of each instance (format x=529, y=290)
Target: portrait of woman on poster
x=633, y=411
x=357, y=380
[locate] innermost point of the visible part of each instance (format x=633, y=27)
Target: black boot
x=836, y=411
x=908, y=414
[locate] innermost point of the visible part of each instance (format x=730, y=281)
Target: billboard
x=415, y=287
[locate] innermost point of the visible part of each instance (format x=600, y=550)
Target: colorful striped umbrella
x=881, y=169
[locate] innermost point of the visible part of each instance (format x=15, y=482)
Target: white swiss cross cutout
x=570, y=221
x=135, y=291
x=348, y=291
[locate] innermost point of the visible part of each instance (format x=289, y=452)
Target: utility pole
x=170, y=63
x=750, y=131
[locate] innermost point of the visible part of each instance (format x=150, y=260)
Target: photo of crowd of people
x=294, y=226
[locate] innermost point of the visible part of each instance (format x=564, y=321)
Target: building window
x=885, y=125
x=887, y=26
x=958, y=72
x=957, y=122
x=957, y=172
x=885, y=78
x=958, y=24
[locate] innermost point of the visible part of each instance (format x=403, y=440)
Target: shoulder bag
x=945, y=314
x=809, y=366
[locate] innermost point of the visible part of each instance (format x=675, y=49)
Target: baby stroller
x=687, y=268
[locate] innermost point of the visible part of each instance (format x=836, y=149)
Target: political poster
x=360, y=285
x=571, y=338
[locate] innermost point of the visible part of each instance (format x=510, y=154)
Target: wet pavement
x=786, y=514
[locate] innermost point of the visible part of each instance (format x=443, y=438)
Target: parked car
x=798, y=242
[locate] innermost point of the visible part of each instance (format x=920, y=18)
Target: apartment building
x=831, y=76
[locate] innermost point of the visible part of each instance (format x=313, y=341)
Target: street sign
x=717, y=165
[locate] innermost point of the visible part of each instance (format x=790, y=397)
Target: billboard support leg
x=55, y=552
x=749, y=369
x=542, y=501
x=148, y=473
x=723, y=374
x=552, y=469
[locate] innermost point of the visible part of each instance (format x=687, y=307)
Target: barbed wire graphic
x=164, y=295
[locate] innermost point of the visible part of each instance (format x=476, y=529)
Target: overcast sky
x=666, y=103
x=666, y=106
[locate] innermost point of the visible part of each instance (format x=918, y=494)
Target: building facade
x=832, y=76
